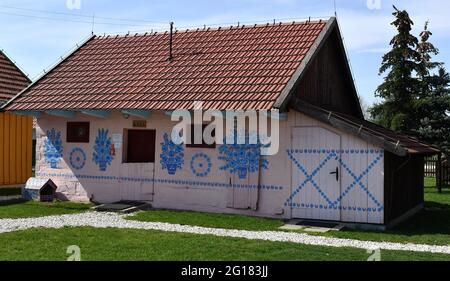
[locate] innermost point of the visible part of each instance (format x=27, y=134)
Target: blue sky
x=37, y=39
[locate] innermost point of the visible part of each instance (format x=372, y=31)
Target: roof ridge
x=209, y=28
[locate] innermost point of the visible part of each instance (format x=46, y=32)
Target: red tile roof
x=226, y=68
x=12, y=80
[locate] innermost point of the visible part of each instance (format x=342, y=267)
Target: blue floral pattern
x=53, y=148
x=172, y=155
x=77, y=158
x=102, y=156
x=201, y=165
x=242, y=159
x=332, y=203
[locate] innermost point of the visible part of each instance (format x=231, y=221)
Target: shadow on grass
x=13, y=202
x=433, y=219
x=10, y=191
x=23, y=203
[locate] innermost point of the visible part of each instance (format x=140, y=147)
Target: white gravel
x=111, y=220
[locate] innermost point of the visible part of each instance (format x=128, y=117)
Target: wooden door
x=316, y=174
x=137, y=181
x=243, y=193
x=138, y=173
x=244, y=190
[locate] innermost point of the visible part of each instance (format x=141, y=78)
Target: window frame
x=71, y=136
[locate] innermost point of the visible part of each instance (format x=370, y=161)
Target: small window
x=203, y=144
x=140, y=146
x=78, y=132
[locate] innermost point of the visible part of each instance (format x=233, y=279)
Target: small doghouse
x=43, y=190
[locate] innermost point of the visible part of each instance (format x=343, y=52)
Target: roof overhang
x=357, y=129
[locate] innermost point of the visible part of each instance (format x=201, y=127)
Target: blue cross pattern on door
x=317, y=175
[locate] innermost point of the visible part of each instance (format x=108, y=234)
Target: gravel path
x=106, y=220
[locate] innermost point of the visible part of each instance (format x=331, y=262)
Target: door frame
x=151, y=176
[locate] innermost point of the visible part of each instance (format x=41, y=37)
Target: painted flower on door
x=172, y=155
x=102, y=150
x=53, y=148
x=242, y=159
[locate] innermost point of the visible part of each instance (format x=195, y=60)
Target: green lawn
x=432, y=197
x=25, y=209
x=208, y=220
x=431, y=226
x=119, y=244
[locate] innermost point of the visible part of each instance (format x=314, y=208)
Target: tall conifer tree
x=400, y=86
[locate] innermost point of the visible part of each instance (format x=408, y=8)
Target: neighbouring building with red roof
x=16, y=134
x=12, y=79
x=104, y=126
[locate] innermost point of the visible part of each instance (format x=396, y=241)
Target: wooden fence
x=445, y=175
x=437, y=168
x=16, y=139
x=431, y=164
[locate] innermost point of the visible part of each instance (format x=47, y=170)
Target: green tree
x=400, y=86
x=432, y=107
x=426, y=51
x=435, y=110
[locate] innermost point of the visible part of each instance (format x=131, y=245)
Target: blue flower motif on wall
x=242, y=159
x=172, y=155
x=102, y=156
x=201, y=165
x=77, y=158
x=53, y=148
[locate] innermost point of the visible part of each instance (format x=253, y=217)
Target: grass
x=432, y=197
x=10, y=191
x=209, y=220
x=120, y=244
x=26, y=209
x=430, y=226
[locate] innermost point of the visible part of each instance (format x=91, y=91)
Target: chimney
x=171, y=42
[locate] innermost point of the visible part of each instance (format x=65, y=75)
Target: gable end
x=324, y=78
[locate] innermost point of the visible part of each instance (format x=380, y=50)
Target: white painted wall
x=365, y=200
x=184, y=190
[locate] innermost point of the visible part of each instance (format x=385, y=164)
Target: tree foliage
x=433, y=110
x=399, y=86
x=415, y=91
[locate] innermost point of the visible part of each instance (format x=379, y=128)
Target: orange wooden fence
x=15, y=148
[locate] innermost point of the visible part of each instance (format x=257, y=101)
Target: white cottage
x=104, y=124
